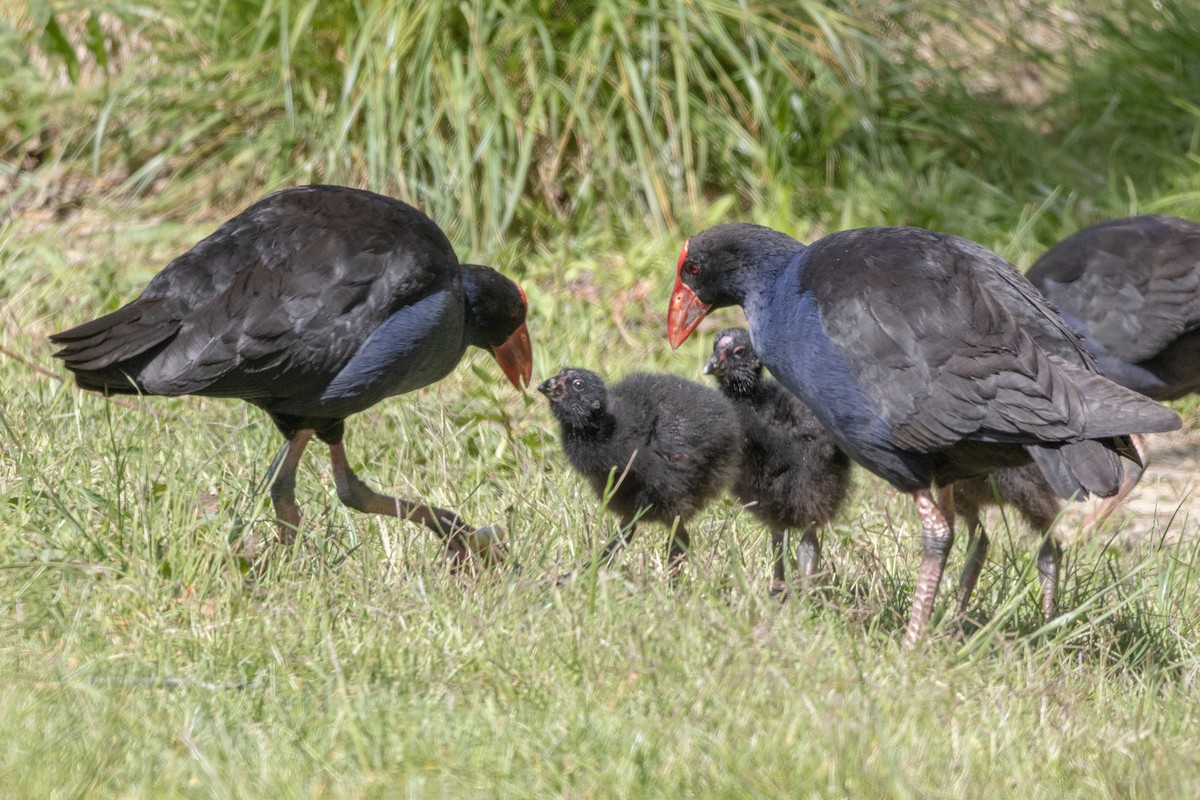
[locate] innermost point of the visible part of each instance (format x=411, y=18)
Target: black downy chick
x=793, y=476
x=1025, y=489
x=668, y=446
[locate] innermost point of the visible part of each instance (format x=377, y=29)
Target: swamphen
x=665, y=445
x=313, y=304
x=1131, y=288
x=927, y=357
x=792, y=475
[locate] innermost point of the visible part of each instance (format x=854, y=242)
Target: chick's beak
x=552, y=388
x=714, y=364
x=515, y=357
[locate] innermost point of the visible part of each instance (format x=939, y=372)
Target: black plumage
x=928, y=358
x=1026, y=490
x=1131, y=287
x=793, y=477
x=314, y=303
x=665, y=445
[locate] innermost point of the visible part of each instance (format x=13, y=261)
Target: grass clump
x=530, y=117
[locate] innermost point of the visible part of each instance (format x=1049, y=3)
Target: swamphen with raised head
x=313, y=304
x=927, y=357
x=793, y=476
x=665, y=445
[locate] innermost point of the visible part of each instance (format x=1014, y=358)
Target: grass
x=145, y=653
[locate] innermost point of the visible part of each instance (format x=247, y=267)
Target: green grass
x=144, y=651
x=144, y=655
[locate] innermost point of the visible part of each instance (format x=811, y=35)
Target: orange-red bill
x=684, y=314
x=686, y=310
x=515, y=357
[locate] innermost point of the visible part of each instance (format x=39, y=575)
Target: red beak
x=686, y=309
x=515, y=357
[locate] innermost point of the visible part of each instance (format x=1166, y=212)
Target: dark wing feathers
x=273, y=303
x=948, y=358
x=1134, y=282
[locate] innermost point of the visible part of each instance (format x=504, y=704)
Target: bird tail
x=1113, y=413
x=1077, y=469
x=107, y=353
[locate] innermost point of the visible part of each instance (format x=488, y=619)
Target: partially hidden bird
x=658, y=446
x=792, y=477
x=1130, y=287
x=1026, y=490
x=927, y=357
x=314, y=303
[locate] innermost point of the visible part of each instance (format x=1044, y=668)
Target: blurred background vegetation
x=518, y=121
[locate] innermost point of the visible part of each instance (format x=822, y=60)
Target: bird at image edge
x=313, y=304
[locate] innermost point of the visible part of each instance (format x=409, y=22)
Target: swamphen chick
x=313, y=304
x=667, y=445
x=1025, y=489
x=928, y=358
x=792, y=476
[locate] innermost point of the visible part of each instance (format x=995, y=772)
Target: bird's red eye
x=692, y=267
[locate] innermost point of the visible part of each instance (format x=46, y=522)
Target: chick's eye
x=738, y=351
x=578, y=384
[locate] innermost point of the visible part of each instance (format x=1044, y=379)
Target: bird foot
x=482, y=547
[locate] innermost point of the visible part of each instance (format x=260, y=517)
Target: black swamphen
x=313, y=304
x=927, y=357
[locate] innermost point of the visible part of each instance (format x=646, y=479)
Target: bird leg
x=1049, y=560
x=361, y=497
x=283, y=485
x=679, y=543
x=1129, y=479
x=945, y=502
x=937, y=537
x=808, y=555
x=778, y=576
x=977, y=549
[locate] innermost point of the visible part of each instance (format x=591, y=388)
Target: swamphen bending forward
x=313, y=304
x=792, y=476
x=665, y=445
x=1131, y=288
x=927, y=357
